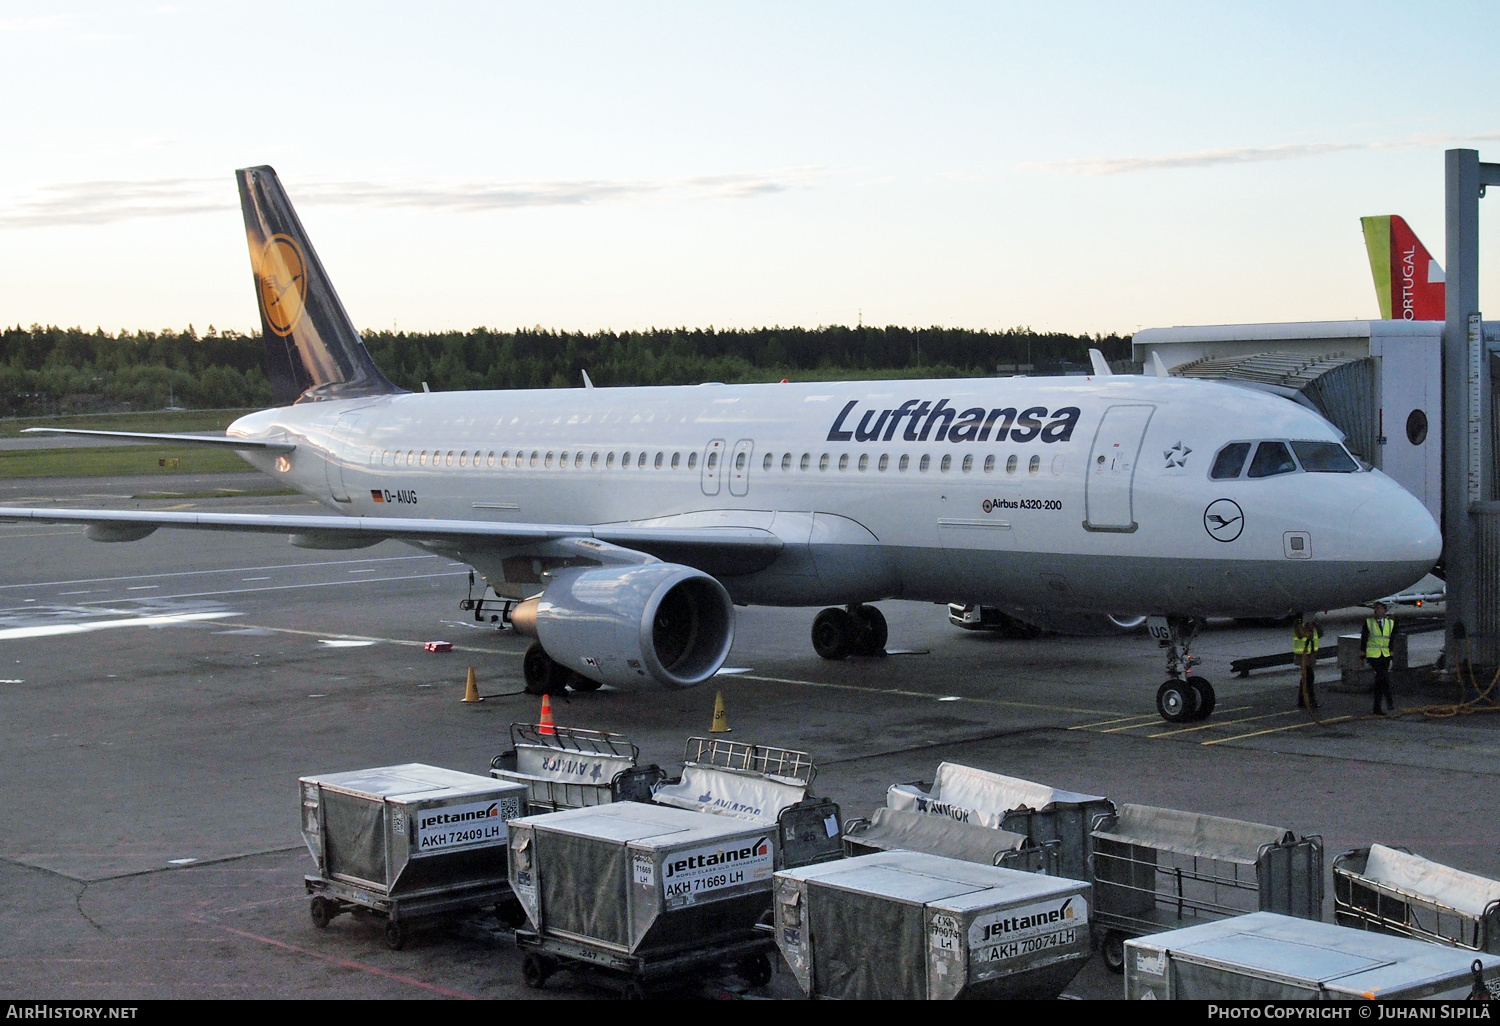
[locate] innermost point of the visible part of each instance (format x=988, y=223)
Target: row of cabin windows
x=518, y=459
x=1275, y=457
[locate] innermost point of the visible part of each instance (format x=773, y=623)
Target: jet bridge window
x=1230, y=461
x=1324, y=458
x=1272, y=458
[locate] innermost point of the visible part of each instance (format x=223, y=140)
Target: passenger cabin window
x=843, y=461
x=1272, y=458
x=947, y=462
x=968, y=464
x=905, y=462
x=806, y=461
x=786, y=461
x=1230, y=461
x=989, y=464
x=1324, y=458
x=823, y=462
x=713, y=460
x=657, y=464
x=885, y=461
x=1010, y=465
x=864, y=462
x=1035, y=465
x=692, y=460
x=926, y=462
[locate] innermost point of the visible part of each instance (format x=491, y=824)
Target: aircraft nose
x=1397, y=528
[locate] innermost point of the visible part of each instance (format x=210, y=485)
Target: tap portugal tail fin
x=1408, y=281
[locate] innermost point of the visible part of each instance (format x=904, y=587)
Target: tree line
x=47, y=370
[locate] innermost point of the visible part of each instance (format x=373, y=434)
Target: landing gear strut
x=853, y=630
x=1184, y=697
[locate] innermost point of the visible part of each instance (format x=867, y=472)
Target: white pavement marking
x=220, y=570
x=55, y=630
x=924, y=694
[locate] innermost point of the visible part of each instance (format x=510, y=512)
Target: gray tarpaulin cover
x=584, y=888
x=986, y=796
x=355, y=832
x=1443, y=884
x=1191, y=833
x=729, y=792
x=878, y=954
x=913, y=831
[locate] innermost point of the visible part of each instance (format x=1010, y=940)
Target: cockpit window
x=1324, y=458
x=1272, y=458
x=1230, y=461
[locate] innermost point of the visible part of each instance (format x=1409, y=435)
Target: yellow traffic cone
x=471, y=688
x=721, y=718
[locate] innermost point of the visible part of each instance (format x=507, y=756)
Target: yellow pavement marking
x=1117, y=719
x=1226, y=723
x=1290, y=726
x=918, y=694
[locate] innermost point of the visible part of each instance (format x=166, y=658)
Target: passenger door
x=1108, y=499
x=333, y=469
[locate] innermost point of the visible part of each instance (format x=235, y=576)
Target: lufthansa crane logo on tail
x=1224, y=520
x=283, y=283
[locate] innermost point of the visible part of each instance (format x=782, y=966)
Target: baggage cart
x=408, y=843
x=1264, y=956
x=1390, y=890
x=644, y=892
x=1042, y=813
x=763, y=784
x=569, y=768
x=908, y=925
x=1159, y=869
x=900, y=830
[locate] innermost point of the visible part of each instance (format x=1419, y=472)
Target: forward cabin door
x=1108, y=499
x=739, y=467
x=337, y=456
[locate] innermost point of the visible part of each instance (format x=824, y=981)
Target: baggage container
x=1159, y=869
x=982, y=798
x=570, y=768
x=900, y=830
x=407, y=842
x=1390, y=890
x=908, y=925
x=644, y=890
x=1268, y=957
x=762, y=784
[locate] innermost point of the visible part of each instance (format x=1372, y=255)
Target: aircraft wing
x=714, y=550
x=219, y=441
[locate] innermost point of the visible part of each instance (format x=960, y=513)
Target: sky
x=1089, y=167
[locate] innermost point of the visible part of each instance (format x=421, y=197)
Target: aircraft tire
x=870, y=631
x=1176, y=701
x=578, y=682
x=833, y=633
x=544, y=676
x=1206, y=698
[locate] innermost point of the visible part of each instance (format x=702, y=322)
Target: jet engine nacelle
x=618, y=624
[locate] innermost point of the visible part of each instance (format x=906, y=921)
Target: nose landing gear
x=1183, y=698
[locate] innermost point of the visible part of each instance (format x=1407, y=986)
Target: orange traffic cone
x=545, y=725
x=471, y=688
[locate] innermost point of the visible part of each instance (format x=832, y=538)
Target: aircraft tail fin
x=312, y=349
x=1408, y=281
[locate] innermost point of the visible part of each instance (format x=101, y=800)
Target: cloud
x=105, y=202
x=1096, y=167
x=44, y=23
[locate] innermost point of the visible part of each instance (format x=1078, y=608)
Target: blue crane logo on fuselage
x=1224, y=520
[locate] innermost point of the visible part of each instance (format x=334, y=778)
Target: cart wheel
x=1113, y=950
x=1206, y=697
x=512, y=913
x=395, y=935
x=755, y=970
x=535, y=970
x=322, y=911
x=635, y=990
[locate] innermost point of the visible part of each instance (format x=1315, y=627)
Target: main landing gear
x=853, y=630
x=1184, y=697
x=546, y=676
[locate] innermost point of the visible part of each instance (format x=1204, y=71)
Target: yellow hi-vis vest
x=1305, y=645
x=1379, y=644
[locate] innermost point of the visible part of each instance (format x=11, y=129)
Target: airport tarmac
x=159, y=700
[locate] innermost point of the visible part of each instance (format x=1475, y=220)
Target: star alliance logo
x=1177, y=456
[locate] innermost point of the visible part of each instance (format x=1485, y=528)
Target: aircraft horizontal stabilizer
x=726, y=550
x=216, y=441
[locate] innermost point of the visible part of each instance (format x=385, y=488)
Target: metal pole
x=1462, y=301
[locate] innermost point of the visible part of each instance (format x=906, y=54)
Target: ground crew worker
x=1306, y=637
x=1375, y=642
